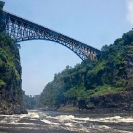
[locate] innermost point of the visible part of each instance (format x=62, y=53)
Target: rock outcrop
x=11, y=94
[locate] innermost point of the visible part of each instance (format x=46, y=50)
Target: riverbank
x=10, y=109
x=108, y=103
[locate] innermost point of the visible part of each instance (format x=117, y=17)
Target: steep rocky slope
x=104, y=84
x=11, y=94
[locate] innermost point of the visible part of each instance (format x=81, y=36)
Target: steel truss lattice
x=21, y=29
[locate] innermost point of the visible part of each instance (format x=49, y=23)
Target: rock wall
x=112, y=102
x=11, y=94
x=122, y=101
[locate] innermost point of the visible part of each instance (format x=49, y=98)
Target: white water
x=64, y=122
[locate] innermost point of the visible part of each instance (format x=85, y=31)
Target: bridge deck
x=81, y=49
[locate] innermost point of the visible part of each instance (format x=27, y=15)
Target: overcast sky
x=94, y=22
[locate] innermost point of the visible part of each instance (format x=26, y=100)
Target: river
x=59, y=122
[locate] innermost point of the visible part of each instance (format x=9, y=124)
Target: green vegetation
x=10, y=72
x=31, y=102
x=1, y=16
x=110, y=74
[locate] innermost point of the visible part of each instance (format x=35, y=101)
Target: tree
x=2, y=22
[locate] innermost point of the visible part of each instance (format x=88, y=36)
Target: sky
x=94, y=22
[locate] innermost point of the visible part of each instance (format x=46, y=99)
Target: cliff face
x=122, y=101
x=11, y=94
x=119, y=101
x=104, y=84
x=11, y=100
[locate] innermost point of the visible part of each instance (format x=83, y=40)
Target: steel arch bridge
x=20, y=29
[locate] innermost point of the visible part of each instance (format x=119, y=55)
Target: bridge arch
x=21, y=29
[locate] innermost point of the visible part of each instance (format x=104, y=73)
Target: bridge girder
x=21, y=29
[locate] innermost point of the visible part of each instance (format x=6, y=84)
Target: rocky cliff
x=11, y=94
x=105, y=84
x=11, y=99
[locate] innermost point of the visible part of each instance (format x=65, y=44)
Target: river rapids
x=59, y=122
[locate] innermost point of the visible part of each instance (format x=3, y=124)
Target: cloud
x=129, y=15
